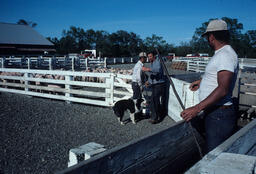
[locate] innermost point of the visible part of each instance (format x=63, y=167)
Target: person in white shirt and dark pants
x=136, y=76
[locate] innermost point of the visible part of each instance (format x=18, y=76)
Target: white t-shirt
x=136, y=75
x=224, y=58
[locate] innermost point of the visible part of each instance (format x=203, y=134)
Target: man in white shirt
x=215, y=87
x=136, y=76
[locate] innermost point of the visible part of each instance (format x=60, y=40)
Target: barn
x=16, y=39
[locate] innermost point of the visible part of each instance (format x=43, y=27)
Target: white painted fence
x=113, y=88
x=69, y=89
x=198, y=64
x=55, y=62
x=51, y=62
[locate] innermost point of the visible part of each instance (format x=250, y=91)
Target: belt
x=214, y=107
x=224, y=106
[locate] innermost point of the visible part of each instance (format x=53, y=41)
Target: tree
x=154, y=42
x=250, y=42
x=240, y=42
x=29, y=23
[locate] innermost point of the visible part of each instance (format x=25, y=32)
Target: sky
x=175, y=21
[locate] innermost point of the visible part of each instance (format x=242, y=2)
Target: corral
x=45, y=130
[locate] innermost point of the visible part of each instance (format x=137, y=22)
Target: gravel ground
x=37, y=133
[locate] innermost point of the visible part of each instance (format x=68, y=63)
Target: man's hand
x=145, y=69
x=147, y=84
x=195, y=85
x=190, y=113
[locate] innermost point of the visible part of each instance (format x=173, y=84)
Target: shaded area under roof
x=21, y=34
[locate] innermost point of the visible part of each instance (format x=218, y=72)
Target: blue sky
x=175, y=21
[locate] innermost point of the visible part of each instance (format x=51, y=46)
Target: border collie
x=122, y=105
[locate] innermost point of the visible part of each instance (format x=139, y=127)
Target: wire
x=180, y=102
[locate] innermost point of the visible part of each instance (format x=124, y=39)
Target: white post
x=86, y=63
x=188, y=65
x=242, y=64
x=28, y=62
x=105, y=62
x=110, y=91
x=122, y=60
x=73, y=64
x=3, y=61
x=50, y=63
x=68, y=87
x=26, y=82
x=131, y=59
x=114, y=60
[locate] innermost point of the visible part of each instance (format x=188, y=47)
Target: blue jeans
x=220, y=124
x=157, y=101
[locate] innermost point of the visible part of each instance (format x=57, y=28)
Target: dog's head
x=116, y=111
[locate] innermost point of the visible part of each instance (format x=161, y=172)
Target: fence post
x=105, y=62
x=122, y=60
x=73, y=64
x=26, y=75
x=188, y=62
x=68, y=87
x=132, y=60
x=3, y=62
x=110, y=83
x=114, y=60
x=86, y=63
x=54, y=62
x=242, y=64
x=28, y=59
x=38, y=62
x=50, y=63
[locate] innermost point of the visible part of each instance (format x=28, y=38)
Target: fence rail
x=199, y=64
x=60, y=62
x=67, y=86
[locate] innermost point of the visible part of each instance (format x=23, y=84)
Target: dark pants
x=157, y=101
x=136, y=91
x=219, y=125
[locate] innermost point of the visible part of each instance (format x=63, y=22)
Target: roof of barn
x=21, y=34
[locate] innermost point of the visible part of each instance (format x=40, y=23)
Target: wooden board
x=165, y=149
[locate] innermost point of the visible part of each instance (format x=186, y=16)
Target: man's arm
x=224, y=79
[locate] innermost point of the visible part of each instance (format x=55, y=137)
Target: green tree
x=249, y=40
x=239, y=41
x=154, y=42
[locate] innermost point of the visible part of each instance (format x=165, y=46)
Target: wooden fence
x=199, y=64
x=51, y=63
x=101, y=89
x=247, y=90
x=57, y=62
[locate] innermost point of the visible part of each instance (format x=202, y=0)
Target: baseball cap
x=216, y=25
x=142, y=54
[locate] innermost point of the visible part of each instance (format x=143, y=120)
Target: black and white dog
x=131, y=105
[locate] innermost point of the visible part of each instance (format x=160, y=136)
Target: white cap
x=216, y=25
x=142, y=54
